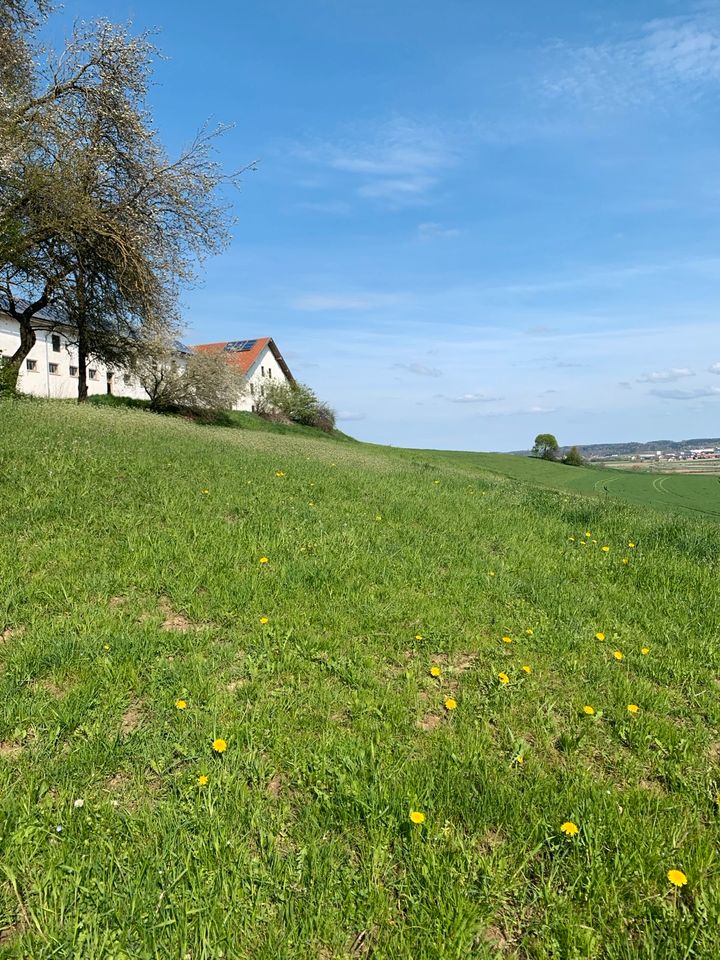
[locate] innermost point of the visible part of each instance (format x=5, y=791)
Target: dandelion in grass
x=492, y=573
x=378, y=516
x=279, y=473
x=588, y=534
x=206, y=492
x=106, y=646
x=644, y=651
x=626, y=561
x=589, y=711
x=633, y=708
x=599, y=635
x=436, y=481
x=450, y=704
x=264, y=620
x=526, y=668
x=419, y=636
x=631, y=545
x=569, y=828
x=181, y=704
x=264, y=560
x=507, y=639
x=416, y=816
x=677, y=878
x=605, y=549
x=202, y=780
x=219, y=745
x=571, y=539
x=435, y=671
x=530, y=632
x=519, y=759
x=618, y=654
x=583, y=543
x=503, y=678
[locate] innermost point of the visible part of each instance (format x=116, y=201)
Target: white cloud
x=661, y=56
x=714, y=367
x=687, y=394
x=419, y=368
x=430, y=231
x=474, y=398
x=666, y=376
x=315, y=302
x=396, y=162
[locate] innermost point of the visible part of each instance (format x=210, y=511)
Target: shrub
x=297, y=403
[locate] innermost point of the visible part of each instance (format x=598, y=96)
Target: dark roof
x=46, y=315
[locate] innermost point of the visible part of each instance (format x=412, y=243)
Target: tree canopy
x=546, y=446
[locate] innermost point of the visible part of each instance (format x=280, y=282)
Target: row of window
x=261, y=390
x=263, y=374
x=54, y=370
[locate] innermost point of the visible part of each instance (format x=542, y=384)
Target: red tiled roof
x=245, y=359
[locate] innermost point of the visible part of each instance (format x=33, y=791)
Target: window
x=31, y=364
x=269, y=372
x=262, y=371
x=109, y=375
x=53, y=368
x=56, y=343
x=73, y=371
x=126, y=379
x=252, y=390
x=92, y=374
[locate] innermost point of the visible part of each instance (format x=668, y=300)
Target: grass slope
x=132, y=583
x=690, y=494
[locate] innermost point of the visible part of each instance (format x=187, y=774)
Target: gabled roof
x=244, y=353
x=48, y=315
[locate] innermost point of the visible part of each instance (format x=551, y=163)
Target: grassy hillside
x=671, y=492
x=167, y=586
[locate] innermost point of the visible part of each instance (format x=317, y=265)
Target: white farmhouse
x=259, y=361
x=51, y=367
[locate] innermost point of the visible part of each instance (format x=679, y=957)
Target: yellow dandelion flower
x=677, y=878
x=492, y=573
x=436, y=481
x=419, y=636
x=526, y=668
x=450, y=704
x=605, y=549
x=435, y=671
x=644, y=651
x=202, y=780
x=264, y=560
x=520, y=759
x=618, y=655
x=599, y=635
x=416, y=816
x=378, y=516
x=106, y=646
x=530, y=631
x=507, y=639
x=264, y=620
x=633, y=708
x=206, y=491
x=572, y=539
x=583, y=543
x=503, y=678
x=181, y=704
x=569, y=828
x=279, y=473
x=219, y=745
x=589, y=710
x=631, y=545
x=626, y=560
x=588, y=534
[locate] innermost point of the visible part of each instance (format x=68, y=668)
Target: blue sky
x=470, y=222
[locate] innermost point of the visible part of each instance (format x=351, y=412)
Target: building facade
x=51, y=367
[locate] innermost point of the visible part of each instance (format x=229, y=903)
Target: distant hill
x=599, y=451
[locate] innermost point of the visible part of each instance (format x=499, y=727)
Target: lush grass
x=670, y=492
x=131, y=579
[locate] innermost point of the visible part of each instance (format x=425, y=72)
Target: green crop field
x=269, y=696
x=670, y=492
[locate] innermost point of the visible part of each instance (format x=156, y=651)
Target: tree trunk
x=82, y=364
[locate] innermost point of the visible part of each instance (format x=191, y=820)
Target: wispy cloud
x=672, y=53
x=397, y=162
x=687, y=394
x=666, y=376
x=474, y=398
x=348, y=415
x=714, y=367
x=431, y=231
x=419, y=369
x=318, y=302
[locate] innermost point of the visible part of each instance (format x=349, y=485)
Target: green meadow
x=218, y=707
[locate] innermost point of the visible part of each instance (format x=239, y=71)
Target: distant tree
x=175, y=380
x=546, y=446
x=298, y=403
x=573, y=458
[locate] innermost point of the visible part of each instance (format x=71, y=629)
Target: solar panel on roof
x=239, y=346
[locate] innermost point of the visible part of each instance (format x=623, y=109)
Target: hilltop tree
x=546, y=446
x=573, y=458
x=94, y=217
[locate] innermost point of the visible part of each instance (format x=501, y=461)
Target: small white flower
x=78, y=803
x=58, y=829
